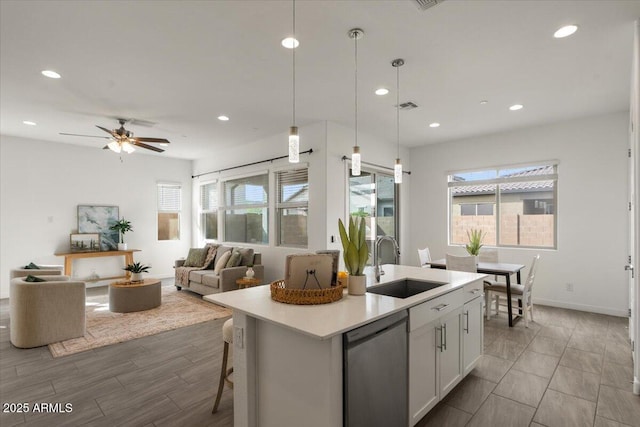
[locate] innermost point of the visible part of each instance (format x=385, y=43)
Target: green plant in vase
x=475, y=241
x=355, y=253
x=136, y=269
x=122, y=226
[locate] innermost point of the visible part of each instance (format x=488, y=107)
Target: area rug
x=178, y=309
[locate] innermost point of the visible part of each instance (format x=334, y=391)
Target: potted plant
x=122, y=226
x=136, y=269
x=355, y=253
x=475, y=242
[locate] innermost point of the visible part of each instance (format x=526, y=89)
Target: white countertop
x=327, y=320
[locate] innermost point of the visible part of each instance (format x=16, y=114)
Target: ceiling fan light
x=127, y=148
x=114, y=146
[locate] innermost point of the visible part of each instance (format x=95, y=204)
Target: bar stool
x=227, y=337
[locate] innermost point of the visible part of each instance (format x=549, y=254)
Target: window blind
x=169, y=197
x=209, y=197
x=292, y=186
x=252, y=190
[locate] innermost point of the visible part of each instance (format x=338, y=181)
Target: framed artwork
x=98, y=219
x=84, y=242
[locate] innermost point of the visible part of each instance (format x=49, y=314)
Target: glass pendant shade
x=114, y=146
x=294, y=145
x=397, y=172
x=355, y=162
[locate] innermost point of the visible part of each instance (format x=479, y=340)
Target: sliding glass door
x=373, y=196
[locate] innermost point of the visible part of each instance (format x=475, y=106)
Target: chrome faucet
x=378, y=270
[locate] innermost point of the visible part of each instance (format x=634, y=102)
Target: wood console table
x=69, y=257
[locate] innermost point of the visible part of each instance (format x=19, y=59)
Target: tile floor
x=570, y=368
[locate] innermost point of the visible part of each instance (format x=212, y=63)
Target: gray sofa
x=206, y=281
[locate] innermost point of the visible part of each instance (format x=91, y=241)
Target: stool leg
x=223, y=372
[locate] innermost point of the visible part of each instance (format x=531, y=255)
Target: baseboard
x=582, y=307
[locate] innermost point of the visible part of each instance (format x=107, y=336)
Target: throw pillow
x=234, y=259
x=222, y=262
x=31, y=266
x=31, y=278
x=211, y=255
x=196, y=257
x=247, y=256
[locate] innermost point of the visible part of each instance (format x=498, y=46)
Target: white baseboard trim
x=581, y=307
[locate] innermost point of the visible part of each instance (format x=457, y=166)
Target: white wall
x=42, y=183
x=592, y=203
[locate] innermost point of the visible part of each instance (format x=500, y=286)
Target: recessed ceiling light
x=290, y=43
x=223, y=118
x=565, y=31
x=382, y=91
x=484, y=102
x=51, y=74
x=434, y=125
x=516, y=107
x=28, y=122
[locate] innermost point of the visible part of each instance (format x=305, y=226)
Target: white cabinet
x=435, y=364
x=472, y=333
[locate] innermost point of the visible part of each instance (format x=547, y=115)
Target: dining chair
x=462, y=263
x=425, y=258
x=520, y=293
x=488, y=255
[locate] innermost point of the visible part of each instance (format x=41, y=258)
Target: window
x=292, y=187
x=246, y=207
x=514, y=206
x=209, y=211
x=169, y=206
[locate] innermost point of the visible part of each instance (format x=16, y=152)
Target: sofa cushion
x=204, y=277
x=211, y=256
x=234, y=259
x=247, y=256
x=221, y=250
x=222, y=262
x=196, y=257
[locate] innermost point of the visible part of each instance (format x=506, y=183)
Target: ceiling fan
x=123, y=140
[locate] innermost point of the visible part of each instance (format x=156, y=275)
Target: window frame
x=279, y=206
x=201, y=211
x=159, y=185
x=498, y=181
x=224, y=208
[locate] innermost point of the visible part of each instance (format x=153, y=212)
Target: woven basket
x=280, y=293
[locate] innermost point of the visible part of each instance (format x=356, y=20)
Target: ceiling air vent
x=426, y=4
x=407, y=106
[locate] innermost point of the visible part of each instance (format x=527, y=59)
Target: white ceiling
x=180, y=64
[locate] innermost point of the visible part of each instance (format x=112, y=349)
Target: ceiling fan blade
x=110, y=132
x=106, y=147
x=148, y=147
x=88, y=136
x=159, y=140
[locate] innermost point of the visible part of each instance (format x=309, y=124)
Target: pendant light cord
x=398, y=110
x=294, y=62
x=355, y=38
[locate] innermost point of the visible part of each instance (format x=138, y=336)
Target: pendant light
x=356, y=34
x=397, y=168
x=294, y=138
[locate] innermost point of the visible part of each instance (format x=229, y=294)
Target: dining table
x=496, y=269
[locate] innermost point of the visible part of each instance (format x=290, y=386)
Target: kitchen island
x=288, y=359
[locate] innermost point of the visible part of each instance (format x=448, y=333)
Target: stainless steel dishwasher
x=375, y=377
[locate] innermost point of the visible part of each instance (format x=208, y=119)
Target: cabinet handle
x=441, y=346
x=475, y=291
x=440, y=307
x=444, y=344
x=466, y=329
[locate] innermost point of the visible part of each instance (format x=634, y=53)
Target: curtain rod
x=309, y=151
x=376, y=165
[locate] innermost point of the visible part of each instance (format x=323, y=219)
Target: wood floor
x=569, y=368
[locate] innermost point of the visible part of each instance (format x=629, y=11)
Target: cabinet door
x=472, y=333
x=449, y=353
x=423, y=387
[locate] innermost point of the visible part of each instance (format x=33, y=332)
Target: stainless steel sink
x=403, y=288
